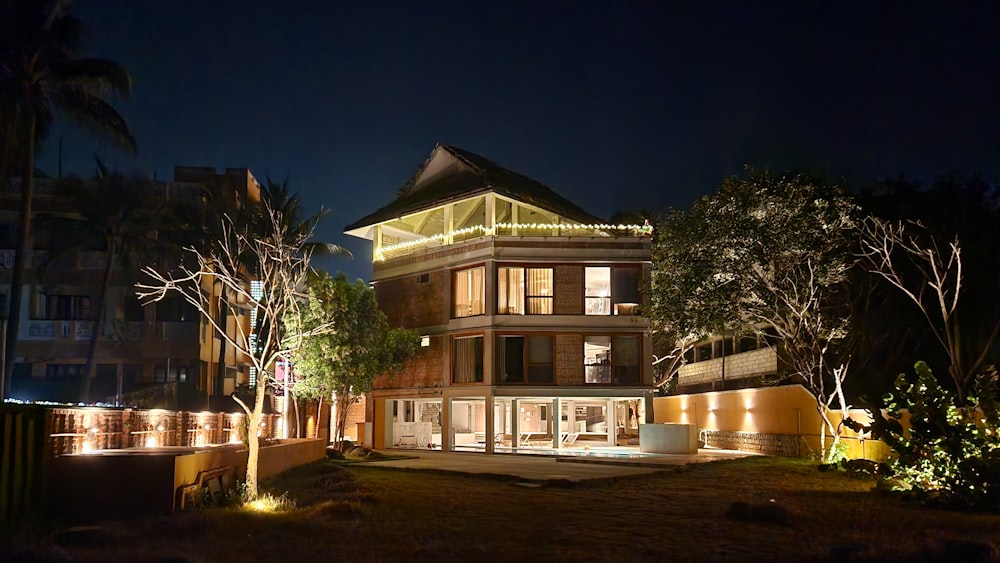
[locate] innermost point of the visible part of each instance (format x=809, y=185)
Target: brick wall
x=569, y=359
x=428, y=369
x=411, y=304
x=754, y=363
x=568, y=291
x=768, y=444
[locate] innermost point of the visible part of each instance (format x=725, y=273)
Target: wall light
x=425, y=341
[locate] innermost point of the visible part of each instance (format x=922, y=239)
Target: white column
x=491, y=212
x=449, y=222
x=377, y=243
x=556, y=423
x=612, y=420
x=515, y=419
x=446, y=445
x=571, y=416
x=514, y=218
x=490, y=422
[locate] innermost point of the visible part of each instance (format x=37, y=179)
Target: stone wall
x=769, y=444
x=755, y=363
x=569, y=359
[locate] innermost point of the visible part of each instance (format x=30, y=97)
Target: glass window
x=625, y=360
x=539, y=359
x=597, y=359
x=612, y=360
x=467, y=359
x=748, y=343
x=625, y=290
x=468, y=292
x=597, y=290
x=523, y=291
x=525, y=355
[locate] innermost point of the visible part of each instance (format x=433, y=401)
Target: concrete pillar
x=556, y=423
x=514, y=217
x=612, y=420
x=490, y=423
x=449, y=223
x=490, y=281
x=647, y=403
x=377, y=244
x=571, y=416
x=515, y=419
x=491, y=212
x=446, y=445
x=488, y=352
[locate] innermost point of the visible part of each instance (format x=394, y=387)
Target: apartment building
x=162, y=354
x=529, y=307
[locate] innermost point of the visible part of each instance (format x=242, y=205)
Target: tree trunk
x=91, y=371
x=344, y=402
x=220, y=375
x=253, y=441
x=295, y=403
x=20, y=258
x=319, y=416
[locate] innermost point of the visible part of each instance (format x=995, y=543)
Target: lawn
x=360, y=512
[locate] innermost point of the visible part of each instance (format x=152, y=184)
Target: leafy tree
x=362, y=347
x=41, y=70
x=247, y=254
x=765, y=252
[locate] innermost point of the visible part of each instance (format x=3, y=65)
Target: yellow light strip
x=637, y=230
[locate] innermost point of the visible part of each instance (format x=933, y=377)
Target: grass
x=365, y=513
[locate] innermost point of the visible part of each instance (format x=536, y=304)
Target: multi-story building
x=162, y=353
x=530, y=311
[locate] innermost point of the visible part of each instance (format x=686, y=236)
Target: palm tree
x=119, y=214
x=41, y=71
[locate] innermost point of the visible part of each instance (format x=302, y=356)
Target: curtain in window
x=467, y=360
x=468, y=292
x=539, y=291
x=510, y=291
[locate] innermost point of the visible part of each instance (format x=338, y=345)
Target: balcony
x=543, y=231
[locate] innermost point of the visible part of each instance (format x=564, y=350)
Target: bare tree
x=261, y=251
x=930, y=275
x=812, y=328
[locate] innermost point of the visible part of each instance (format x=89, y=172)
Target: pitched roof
x=473, y=175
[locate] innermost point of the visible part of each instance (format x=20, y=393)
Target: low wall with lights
x=772, y=420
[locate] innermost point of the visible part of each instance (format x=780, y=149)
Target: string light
x=568, y=228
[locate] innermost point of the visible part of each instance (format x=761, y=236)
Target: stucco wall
x=788, y=410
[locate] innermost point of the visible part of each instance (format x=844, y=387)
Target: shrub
x=951, y=452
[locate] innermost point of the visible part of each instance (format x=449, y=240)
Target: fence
x=22, y=459
x=88, y=429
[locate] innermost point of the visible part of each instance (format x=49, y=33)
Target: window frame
x=454, y=292
x=614, y=376
x=480, y=361
x=524, y=307
x=526, y=364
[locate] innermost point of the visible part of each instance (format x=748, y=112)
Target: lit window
x=468, y=292
x=467, y=359
x=522, y=291
x=612, y=360
x=597, y=284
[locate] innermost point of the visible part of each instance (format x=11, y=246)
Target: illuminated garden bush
x=951, y=451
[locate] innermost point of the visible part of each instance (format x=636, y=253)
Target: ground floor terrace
x=497, y=420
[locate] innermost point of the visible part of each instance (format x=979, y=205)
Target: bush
x=951, y=452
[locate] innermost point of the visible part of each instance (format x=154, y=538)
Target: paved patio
x=570, y=466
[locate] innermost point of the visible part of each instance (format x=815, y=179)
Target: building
x=730, y=362
x=162, y=355
x=530, y=311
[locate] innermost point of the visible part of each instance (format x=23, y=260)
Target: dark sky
x=623, y=105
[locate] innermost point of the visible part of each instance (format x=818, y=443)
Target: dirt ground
x=360, y=512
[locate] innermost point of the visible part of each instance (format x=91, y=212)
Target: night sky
x=617, y=105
